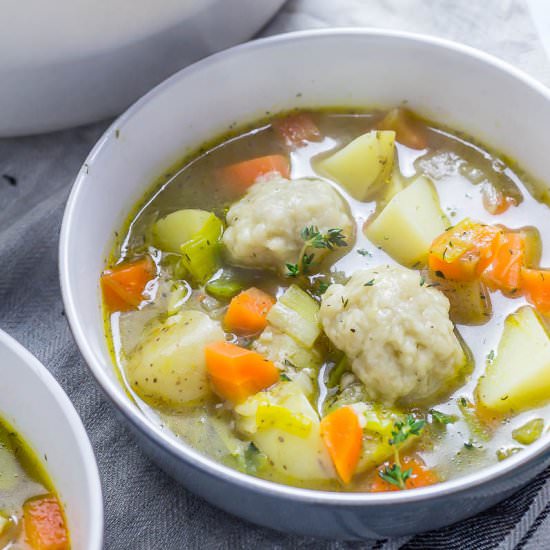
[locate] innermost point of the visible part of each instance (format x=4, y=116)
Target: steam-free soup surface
x=338, y=301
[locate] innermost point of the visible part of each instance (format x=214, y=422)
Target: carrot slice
x=342, y=435
x=244, y=174
x=44, y=524
x=504, y=271
x=420, y=476
x=246, y=314
x=536, y=284
x=123, y=285
x=462, y=252
x=237, y=373
x=296, y=130
x=408, y=129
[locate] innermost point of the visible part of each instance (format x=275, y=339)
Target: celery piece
x=301, y=302
x=276, y=416
x=254, y=459
x=337, y=370
x=178, y=296
x=201, y=254
x=506, y=452
x=296, y=314
x=478, y=430
x=223, y=288
x=170, y=232
x=529, y=432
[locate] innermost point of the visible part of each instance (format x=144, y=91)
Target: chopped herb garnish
x=442, y=418
x=293, y=270
x=364, y=252
x=402, y=430
x=370, y=283
x=284, y=377
x=395, y=475
x=313, y=238
x=422, y=280
x=491, y=356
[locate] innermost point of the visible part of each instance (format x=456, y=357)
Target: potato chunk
x=168, y=368
x=284, y=426
x=409, y=223
x=518, y=378
x=363, y=164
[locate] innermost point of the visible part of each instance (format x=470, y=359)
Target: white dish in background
x=34, y=404
x=70, y=62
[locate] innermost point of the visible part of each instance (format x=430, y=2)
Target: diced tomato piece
x=296, y=130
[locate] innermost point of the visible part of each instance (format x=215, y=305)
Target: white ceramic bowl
x=447, y=82
x=40, y=411
x=70, y=62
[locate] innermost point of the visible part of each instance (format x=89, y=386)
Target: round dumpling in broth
x=264, y=227
x=396, y=332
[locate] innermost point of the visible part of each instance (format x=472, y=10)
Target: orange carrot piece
x=462, y=252
x=246, y=314
x=237, y=373
x=44, y=524
x=504, y=271
x=342, y=435
x=420, y=476
x=244, y=174
x=536, y=285
x=409, y=131
x=123, y=285
x=296, y=130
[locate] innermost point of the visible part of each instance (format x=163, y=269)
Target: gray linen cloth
x=144, y=508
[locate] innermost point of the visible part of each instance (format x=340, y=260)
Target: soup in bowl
x=50, y=491
x=324, y=306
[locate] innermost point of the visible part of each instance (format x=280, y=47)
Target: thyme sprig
x=402, y=430
x=313, y=238
x=395, y=475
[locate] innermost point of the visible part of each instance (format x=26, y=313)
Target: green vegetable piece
x=170, y=232
x=224, y=288
x=275, y=416
x=337, y=371
x=296, y=314
x=178, y=296
x=254, y=459
x=506, y=452
x=201, y=254
x=478, y=430
x=529, y=432
x=441, y=418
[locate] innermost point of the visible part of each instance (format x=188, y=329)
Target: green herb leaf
x=315, y=239
x=395, y=475
x=369, y=283
x=442, y=418
x=293, y=270
x=402, y=430
x=364, y=252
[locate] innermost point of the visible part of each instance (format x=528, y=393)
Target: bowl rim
x=84, y=447
x=179, y=449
